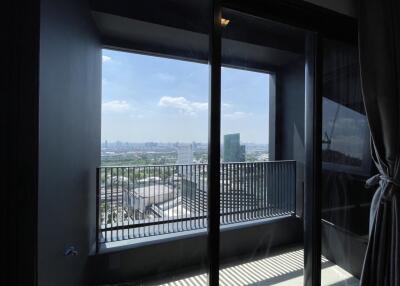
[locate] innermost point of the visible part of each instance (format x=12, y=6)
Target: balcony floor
x=284, y=268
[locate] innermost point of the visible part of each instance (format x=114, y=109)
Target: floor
x=281, y=269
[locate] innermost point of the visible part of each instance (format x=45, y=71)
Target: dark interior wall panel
x=185, y=254
x=69, y=140
x=346, y=7
x=19, y=141
x=290, y=122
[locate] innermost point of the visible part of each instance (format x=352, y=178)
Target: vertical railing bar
x=129, y=198
x=237, y=203
x=261, y=190
x=254, y=197
x=112, y=203
x=153, y=182
x=146, y=189
x=242, y=195
x=282, y=205
x=251, y=197
x=234, y=193
x=269, y=189
x=191, y=198
x=162, y=219
x=245, y=189
x=251, y=190
x=248, y=196
x=254, y=203
x=197, y=198
x=257, y=204
x=288, y=194
x=118, y=204
x=169, y=226
x=274, y=191
x=284, y=188
x=248, y=201
x=105, y=204
x=248, y=192
x=98, y=222
x=277, y=179
x=264, y=177
x=205, y=193
x=163, y=183
x=267, y=199
x=179, y=225
x=144, y=199
x=122, y=199
x=186, y=199
x=238, y=195
x=134, y=201
x=295, y=187
x=242, y=191
x=222, y=194
x=280, y=188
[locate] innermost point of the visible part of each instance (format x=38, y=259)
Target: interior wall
x=290, y=122
x=346, y=7
x=69, y=140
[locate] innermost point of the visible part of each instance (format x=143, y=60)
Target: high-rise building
x=185, y=157
x=233, y=151
x=185, y=154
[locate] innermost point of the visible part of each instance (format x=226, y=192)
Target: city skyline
x=175, y=105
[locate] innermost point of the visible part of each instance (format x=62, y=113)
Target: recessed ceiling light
x=224, y=22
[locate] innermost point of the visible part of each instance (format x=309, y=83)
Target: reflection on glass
x=345, y=134
x=346, y=164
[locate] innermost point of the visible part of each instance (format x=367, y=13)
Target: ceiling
x=178, y=29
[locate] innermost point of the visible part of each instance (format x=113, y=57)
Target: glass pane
x=154, y=149
x=346, y=164
x=262, y=151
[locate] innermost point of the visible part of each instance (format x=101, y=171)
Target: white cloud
x=237, y=115
x=117, y=106
x=182, y=104
x=105, y=59
x=200, y=105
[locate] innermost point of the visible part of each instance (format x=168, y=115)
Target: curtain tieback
x=374, y=180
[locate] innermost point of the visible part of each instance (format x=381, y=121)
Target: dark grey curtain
x=379, y=41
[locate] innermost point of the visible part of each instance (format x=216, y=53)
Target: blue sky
x=146, y=98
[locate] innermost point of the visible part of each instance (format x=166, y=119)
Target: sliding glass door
x=262, y=151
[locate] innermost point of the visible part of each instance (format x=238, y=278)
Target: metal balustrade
x=143, y=201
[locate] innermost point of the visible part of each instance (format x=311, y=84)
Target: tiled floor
x=284, y=269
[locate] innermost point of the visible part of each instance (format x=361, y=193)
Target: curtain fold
x=379, y=42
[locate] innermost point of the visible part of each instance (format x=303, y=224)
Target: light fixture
x=224, y=22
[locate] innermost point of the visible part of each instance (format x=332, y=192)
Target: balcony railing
x=143, y=201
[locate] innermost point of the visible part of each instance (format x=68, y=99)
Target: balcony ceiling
x=147, y=26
